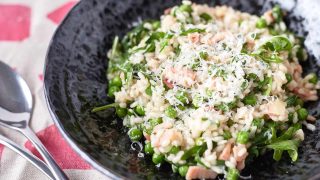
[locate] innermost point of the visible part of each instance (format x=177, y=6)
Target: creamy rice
x=204, y=83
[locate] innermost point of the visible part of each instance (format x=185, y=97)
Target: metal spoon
x=31, y=158
x=16, y=106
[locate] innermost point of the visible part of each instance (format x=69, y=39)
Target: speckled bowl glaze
x=75, y=81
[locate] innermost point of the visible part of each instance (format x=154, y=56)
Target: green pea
x=261, y=23
x=174, y=150
x=148, y=148
x=121, y=112
x=148, y=91
x=183, y=170
x=182, y=97
x=185, y=8
x=155, y=121
x=112, y=90
x=227, y=135
x=135, y=134
x=116, y=81
x=233, y=174
x=302, y=114
x=157, y=158
x=313, y=79
x=243, y=137
x=250, y=100
x=299, y=102
x=289, y=77
x=139, y=110
x=171, y=112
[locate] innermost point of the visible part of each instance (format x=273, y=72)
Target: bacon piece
x=276, y=110
x=197, y=172
x=194, y=37
x=162, y=135
x=240, y=152
x=225, y=155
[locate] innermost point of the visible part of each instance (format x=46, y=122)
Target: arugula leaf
x=114, y=49
x=267, y=56
x=196, y=150
x=269, y=51
x=165, y=42
x=193, y=30
x=155, y=36
x=287, y=145
x=277, y=155
x=278, y=43
x=205, y=16
x=101, y=108
x=150, y=47
x=265, y=85
x=134, y=37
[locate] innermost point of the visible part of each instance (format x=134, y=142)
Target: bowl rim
x=66, y=136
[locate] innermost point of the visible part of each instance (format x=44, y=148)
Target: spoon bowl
x=15, y=113
x=15, y=96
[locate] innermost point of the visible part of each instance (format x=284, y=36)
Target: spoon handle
x=31, y=158
x=53, y=166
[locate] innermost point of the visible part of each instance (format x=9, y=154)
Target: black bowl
x=75, y=82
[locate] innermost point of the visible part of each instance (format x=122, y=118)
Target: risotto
x=208, y=89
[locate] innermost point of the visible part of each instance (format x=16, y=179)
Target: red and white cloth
x=26, y=27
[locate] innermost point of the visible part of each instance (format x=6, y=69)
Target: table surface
x=26, y=27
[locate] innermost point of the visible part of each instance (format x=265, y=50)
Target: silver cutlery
x=16, y=110
x=31, y=158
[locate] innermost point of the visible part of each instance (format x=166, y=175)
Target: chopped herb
x=204, y=55
x=193, y=30
x=101, y=108
x=291, y=146
x=206, y=16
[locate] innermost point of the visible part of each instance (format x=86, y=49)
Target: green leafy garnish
x=193, y=30
x=278, y=43
x=205, y=16
x=291, y=146
x=101, y=108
